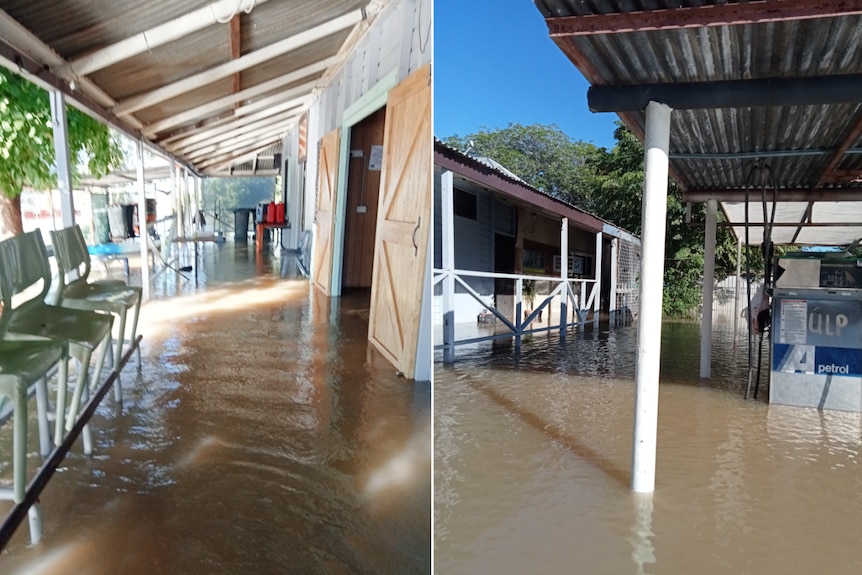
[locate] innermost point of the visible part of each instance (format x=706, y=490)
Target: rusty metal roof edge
x=594, y=222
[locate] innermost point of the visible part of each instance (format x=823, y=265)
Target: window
x=533, y=261
x=465, y=204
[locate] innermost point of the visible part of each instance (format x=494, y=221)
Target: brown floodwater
x=263, y=434
x=532, y=464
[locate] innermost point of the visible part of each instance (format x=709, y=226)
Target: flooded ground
x=532, y=465
x=262, y=435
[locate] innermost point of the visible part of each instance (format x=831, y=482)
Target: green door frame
x=366, y=105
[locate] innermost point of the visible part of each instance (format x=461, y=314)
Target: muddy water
x=262, y=435
x=532, y=459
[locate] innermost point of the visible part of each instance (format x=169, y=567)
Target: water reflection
x=259, y=437
x=532, y=459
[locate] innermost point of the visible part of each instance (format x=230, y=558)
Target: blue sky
x=495, y=64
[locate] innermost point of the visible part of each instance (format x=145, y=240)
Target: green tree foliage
x=222, y=195
x=617, y=196
x=27, y=144
x=543, y=156
x=609, y=183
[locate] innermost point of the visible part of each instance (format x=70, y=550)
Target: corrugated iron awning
x=774, y=82
x=213, y=83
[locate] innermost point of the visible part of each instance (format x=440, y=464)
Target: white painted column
x=448, y=256
x=564, y=276
x=142, y=221
x=62, y=158
x=654, y=213
x=597, y=301
x=178, y=198
x=736, y=289
x=708, y=280
x=612, y=304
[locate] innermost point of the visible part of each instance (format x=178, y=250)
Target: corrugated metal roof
x=483, y=165
x=713, y=149
x=75, y=28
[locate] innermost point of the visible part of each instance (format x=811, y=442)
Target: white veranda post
x=564, y=275
x=61, y=152
x=652, y=273
x=142, y=222
x=448, y=256
x=708, y=281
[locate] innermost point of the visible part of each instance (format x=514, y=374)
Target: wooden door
x=327, y=174
x=403, y=222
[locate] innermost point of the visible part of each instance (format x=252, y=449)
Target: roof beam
x=232, y=125
x=36, y=62
x=258, y=109
x=249, y=139
x=159, y=95
x=215, y=13
x=760, y=92
x=783, y=195
x=850, y=138
x=755, y=12
x=233, y=132
x=226, y=102
x=841, y=177
x=22, y=44
x=235, y=44
x=236, y=156
x=592, y=75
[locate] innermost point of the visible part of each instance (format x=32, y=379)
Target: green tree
x=543, y=156
x=27, y=145
x=609, y=183
x=238, y=192
x=618, y=195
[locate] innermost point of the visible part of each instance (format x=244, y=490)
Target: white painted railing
x=582, y=294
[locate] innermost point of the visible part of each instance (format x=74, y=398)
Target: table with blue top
x=111, y=252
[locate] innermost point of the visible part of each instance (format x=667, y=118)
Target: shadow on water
x=532, y=452
x=579, y=449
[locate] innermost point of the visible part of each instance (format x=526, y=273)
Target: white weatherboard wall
x=397, y=43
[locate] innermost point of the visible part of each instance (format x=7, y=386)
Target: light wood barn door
x=403, y=222
x=327, y=174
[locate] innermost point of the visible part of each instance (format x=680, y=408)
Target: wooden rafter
x=592, y=75
x=755, y=12
x=235, y=43
x=829, y=173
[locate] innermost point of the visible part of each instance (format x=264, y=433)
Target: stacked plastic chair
x=24, y=264
x=26, y=363
x=77, y=292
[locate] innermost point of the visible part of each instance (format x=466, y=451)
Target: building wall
x=399, y=39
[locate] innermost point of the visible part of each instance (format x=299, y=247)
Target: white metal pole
x=448, y=255
x=736, y=288
x=597, y=301
x=654, y=212
x=62, y=159
x=708, y=280
x=142, y=222
x=178, y=199
x=612, y=304
x=564, y=276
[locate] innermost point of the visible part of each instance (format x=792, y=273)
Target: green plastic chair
x=75, y=291
x=25, y=364
x=24, y=264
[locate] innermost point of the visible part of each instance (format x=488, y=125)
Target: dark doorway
x=363, y=187
x=504, y=262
